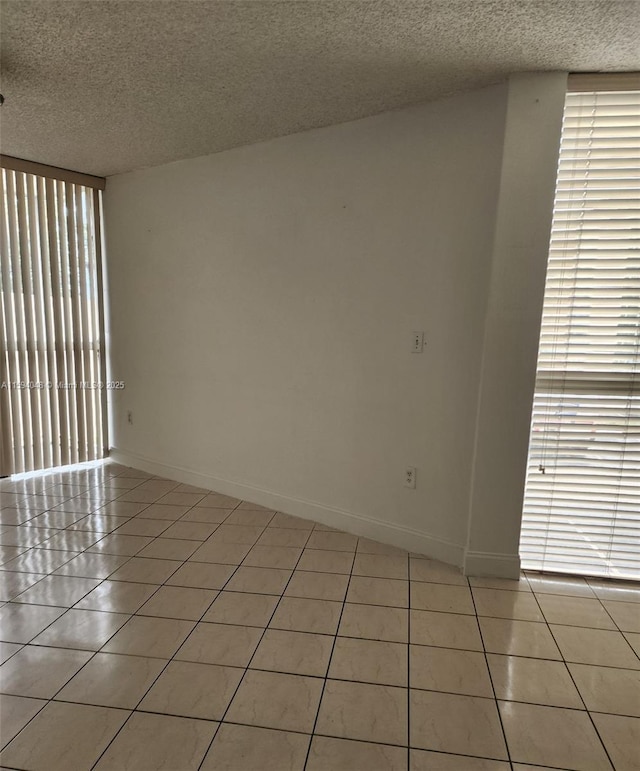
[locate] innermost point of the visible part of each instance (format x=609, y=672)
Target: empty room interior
x=320, y=385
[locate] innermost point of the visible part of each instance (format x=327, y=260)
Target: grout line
x=145, y=506
x=493, y=690
x=246, y=668
x=333, y=646
x=409, y=665
x=606, y=751
x=168, y=661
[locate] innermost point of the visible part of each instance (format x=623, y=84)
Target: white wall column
x=525, y=207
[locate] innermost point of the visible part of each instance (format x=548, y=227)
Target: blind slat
x=52, y=400
x=582, y=495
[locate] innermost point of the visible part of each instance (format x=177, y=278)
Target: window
x=582, y=497
x=52, y=362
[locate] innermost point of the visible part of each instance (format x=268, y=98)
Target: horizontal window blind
x=582, y=496
x=51, y=363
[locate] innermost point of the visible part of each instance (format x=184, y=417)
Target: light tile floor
x=146, y=624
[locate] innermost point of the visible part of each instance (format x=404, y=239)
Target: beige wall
x=262, y=304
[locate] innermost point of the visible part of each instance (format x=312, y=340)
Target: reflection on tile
x=123, y=545
x=38, y=561
x=625, y=614
x=7, y=650
x=621, y=737
x=273, y=700
x=345, y=755
x=304, y=615
x=518, y=638
x=222, y=644
x=506, y=604
x=256, y=749
x=13, y=584
x=242, y=608
x=627, y=591
x=514, y=584
x=605, y=689
x=570, y=740
x=92, y=565
x=456, y=724
x=571, y=587
x=454, y=671
x=71, y=540
x=21, y=623
x=533, y=680
x=81, y=629
x=369, y=661
x=576, y=611
x=193, y=690
x=117, y=597
x=634, y=642
x=111, y=680
x=9, y=553
x=40, y=672
x=158, y=742
x=230, y=610
x=594, y=646
x=15, y=713
x=44, y=744
x=144, y=636
x=63, y=591
x=375, y=622
x=363, y=711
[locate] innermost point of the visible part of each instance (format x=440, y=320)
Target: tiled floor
x=151, y=625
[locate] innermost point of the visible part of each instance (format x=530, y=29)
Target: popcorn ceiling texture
x=107, y=86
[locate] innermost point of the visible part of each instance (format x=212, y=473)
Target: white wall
x=512, y=328
x=262, y=304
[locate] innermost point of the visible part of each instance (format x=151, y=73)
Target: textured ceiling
x=106, y=86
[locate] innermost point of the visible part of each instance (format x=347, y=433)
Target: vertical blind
x=51, y=363
x=582, y=496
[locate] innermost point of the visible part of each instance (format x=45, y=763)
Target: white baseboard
x=358, y=524
x=479, y=563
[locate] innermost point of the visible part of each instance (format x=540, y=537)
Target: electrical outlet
x=410, y=477
x=417, y=342
x=130, y=417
